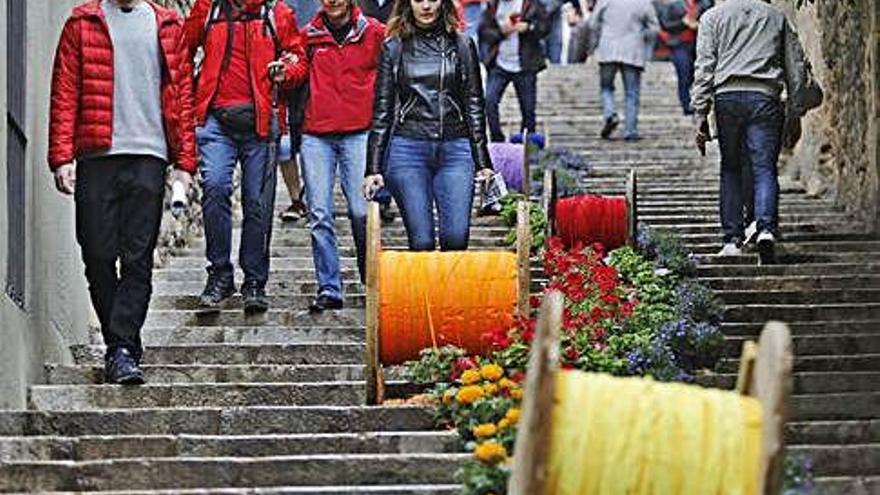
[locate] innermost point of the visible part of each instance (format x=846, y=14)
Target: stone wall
x=838, y=155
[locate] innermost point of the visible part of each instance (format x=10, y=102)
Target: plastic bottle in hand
x=178, y=198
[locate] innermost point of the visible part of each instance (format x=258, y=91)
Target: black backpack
x=671, y=15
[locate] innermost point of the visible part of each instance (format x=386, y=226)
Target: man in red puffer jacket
x=249, y=46
x=121, y=108
x=343, y=48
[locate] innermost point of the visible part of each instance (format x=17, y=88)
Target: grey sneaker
x=751, y=233
x=730, y=249
x=766, y=248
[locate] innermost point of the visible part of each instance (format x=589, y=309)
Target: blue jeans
x=322, y=156
x=472, y=13
x=683, y=59
x=420, y=173
x=553, y=41
x=749, y=134
x=526, y=85
x=632, y=80
x=220, y=150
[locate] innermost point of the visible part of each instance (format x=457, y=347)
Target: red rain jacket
x=342, y=76
x=81, y=106
x=261, y=51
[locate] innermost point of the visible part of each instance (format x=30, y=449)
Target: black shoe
x=324, y=302
x=294, y=212
x=121, y=368
x=255, y=300
x=766, y=248
x=216, y=291
x=632, y=138
x=611, y=123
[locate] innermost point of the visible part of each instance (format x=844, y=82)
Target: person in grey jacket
x=747, y=53
x=627, y=29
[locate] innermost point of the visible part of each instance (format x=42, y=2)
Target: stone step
x=841, y=460
x=306, y=286
x=156, y=336
x=57, y=374
x=833, y=432
x=818, y=269
x=286, y=300
x=301, y=353
x=832, y=363
x=87, y=448
x=798, y=312
x=815, y=296
x=217, y=421
x=174, y=473
x=822, y=345
x=793, y=283
x=787, y=256
x=847, y=485
x=274, y=317
x=407, y=489
x=89, y=397
x=809, y=382
x=816, y=327
x=835, y=406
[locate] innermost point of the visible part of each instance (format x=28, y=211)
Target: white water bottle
x=178, y=198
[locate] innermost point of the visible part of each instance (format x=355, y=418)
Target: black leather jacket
x=428, y=87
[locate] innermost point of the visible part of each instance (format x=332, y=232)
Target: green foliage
x=434, y=365
x=537, y=220
x=483, y=479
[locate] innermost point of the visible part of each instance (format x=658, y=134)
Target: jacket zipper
x=406, y=108
x=440, y=97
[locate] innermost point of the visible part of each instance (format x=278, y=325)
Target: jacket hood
x=317, y=32
x=93, y=9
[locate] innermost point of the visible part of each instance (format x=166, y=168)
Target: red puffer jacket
x=81, y=108
x=342, y=76
x=260, y=49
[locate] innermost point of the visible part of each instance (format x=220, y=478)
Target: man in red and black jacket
x=121, y=110
x=249, y=46
x=343, y=47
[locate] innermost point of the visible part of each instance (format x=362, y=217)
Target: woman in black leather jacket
x=428, y=138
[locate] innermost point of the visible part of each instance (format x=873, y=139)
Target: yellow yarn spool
x=635, y=436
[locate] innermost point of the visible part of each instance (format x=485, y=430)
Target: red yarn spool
x=592, y=219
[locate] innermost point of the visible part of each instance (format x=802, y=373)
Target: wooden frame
x=526, y=169
x=550, y=196
x=373, y=374
x=765, y=374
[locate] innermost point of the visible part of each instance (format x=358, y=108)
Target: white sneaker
x=730, y=249
x=751, y=232
x=766, y=248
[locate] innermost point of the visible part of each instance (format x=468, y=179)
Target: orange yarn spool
x=430, y=299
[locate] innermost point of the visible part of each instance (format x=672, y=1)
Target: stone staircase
x=273, y=403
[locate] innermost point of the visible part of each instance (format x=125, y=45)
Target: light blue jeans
x=632, y=81
x=322, y=156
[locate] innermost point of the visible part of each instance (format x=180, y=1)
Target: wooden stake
x=533, y=442
x=373, y=371
x=746, y=367
x=771, y=384
x=548, y=200
x=526, y=178
x=631, y=209
x=523, y=252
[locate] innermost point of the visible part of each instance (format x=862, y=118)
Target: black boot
x=216, y=291
x=255, y=300
x=121, y=368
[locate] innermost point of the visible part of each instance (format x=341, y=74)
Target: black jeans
x=526, y=85
x=118, y=212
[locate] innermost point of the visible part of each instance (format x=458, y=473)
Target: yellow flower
x=470, y=377
x=503, y=424
x=492, y=372
x=512, y=415
x=516, y=394
x=485, y=430
x=448, y=396
x=490, y=452
x=507, y=383
x=469, y=394
x=490, y=389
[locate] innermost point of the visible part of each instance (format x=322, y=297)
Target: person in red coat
x=249, y=46
x=343, y=46
x=120, y=112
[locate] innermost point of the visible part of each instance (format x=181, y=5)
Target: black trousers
x=118, y=212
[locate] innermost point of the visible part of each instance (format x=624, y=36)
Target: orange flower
x=490, y=452
x=490, y=389
x=516, y=393
x=470, y=377
x=512, y=415
x=448, y=396
x=485, y=430
x=469, y=394
x=492, y=372
x=503, y=424
x=506, y=383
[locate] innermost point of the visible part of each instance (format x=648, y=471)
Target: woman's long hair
x=403, y=20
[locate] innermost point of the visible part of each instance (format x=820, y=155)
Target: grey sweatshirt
x=740, y=47
x=626, y=30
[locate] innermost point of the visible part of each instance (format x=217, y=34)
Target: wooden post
x=533, y=442
x=373, y=370
x=523, y=252
x=631, y=209
x=771, y=384
x=746, y=367
x=548, y=200
x=546, y=130
x=526, y=178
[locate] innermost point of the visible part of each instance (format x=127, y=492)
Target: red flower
x=518, y=376
x=572, y=354
x=528, y=334
x=534, y=301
